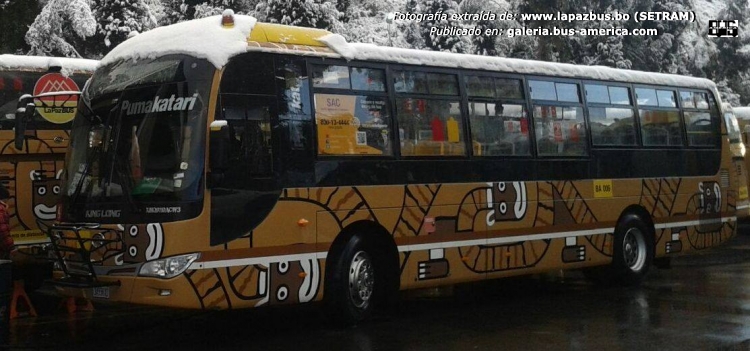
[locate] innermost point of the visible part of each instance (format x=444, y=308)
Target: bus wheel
x=356, y=284
x=632, y=256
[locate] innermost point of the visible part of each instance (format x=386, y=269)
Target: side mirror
x=24, y=113
x=218, y=156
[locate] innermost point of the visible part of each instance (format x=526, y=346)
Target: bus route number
x=603, y=188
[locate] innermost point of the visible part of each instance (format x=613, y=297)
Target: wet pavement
x=702, y=302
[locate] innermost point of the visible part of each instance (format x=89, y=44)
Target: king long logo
x=56, y=109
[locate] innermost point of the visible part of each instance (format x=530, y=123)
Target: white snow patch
x=369, y=52
x=337, y=43
x=19, y=62
x=202, y=38
x=742, y=112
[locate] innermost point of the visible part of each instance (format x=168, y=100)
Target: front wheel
x=357, y=282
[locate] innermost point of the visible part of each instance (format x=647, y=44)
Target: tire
x=633, y=254
x=357, y=284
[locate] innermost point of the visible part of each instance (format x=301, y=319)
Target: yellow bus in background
x=283, y=165
x=32, y=172
x=742, y=115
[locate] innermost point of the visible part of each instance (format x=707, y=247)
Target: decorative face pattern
x=45, y=194
x=290, y=282
x=507, y=201
x=142, y=242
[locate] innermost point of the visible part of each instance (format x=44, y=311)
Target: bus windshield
x=138, y=140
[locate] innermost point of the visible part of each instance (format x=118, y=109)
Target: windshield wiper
x=94, y=152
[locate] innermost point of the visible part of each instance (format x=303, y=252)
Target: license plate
x=101, y=292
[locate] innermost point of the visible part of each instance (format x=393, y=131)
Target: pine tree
x=452, y=43
x=303, y=13
x=482, y=43
x=733, y=59
x=117, y=18
x=59, y=26
x=412, y=34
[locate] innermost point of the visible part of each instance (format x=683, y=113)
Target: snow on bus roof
x=358, y=51
x=742, y=112
x=202, y=38
x=20, y=62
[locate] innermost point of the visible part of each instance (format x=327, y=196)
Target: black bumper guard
x=73, y=253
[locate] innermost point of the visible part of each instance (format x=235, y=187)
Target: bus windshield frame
x=137, y=142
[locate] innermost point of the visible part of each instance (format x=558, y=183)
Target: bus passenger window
x=410, y=82
x=367, y=79
x=541, y=90
x=646, y=97
x=508, y=88
x=560, y=131
x=701, y=125
x=480, y=86
x=666, y=98
x=564, y=92
x=612, y=126
x=499, y=129
x=336, y=77
x=353, y=125
x=702, y=130
x=250, y=151
x=430, y=127
x=619, y=96
x=442, y=84
x=597, y=94
x=567, y=92
x=660, y=128
x=687, y=100
x=701, y=101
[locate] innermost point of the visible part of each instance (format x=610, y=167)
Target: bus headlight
x=168, y=267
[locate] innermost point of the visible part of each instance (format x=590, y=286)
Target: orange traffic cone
x=20, y=297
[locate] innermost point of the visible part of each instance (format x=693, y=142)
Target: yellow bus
x=32, y=171
x=742, y=116
x=255, y=164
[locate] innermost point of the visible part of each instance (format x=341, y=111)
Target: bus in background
x=283, y=165
x=31, y=173
x=742, y=116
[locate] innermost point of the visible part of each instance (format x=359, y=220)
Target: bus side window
x=559, y=125
x=249, y=121
x=498, y=127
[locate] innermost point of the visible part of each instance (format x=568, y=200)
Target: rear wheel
x=357, y=284
x=633, y=253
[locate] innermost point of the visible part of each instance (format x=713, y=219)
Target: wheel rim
x=361, y=279
x=634, y=249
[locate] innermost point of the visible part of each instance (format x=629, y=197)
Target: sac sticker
x=56, y=109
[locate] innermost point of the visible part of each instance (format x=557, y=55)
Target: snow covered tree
x=607, y=51
x=117, y=18
x=303, y=13
x=483, y=43
x=410, y=29
x=658, y=53
x=365, y=22
x=59, y=23
x=176, y=11
x=732, y=61
x=452, y=43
